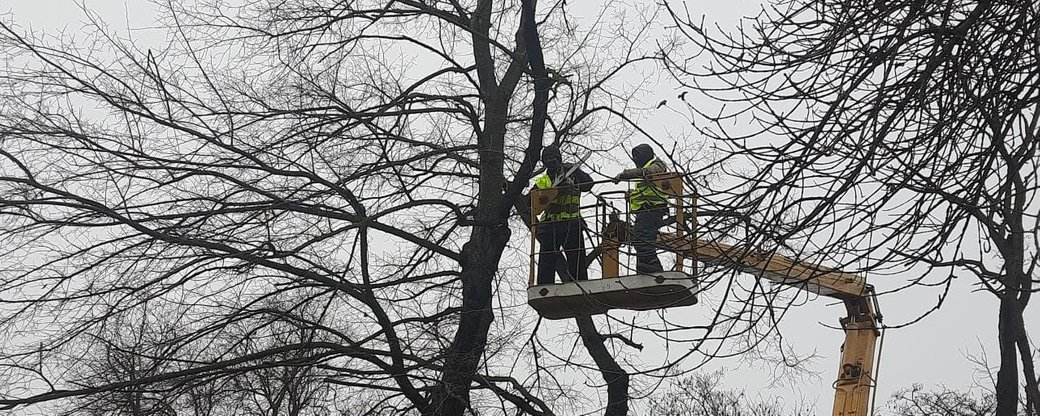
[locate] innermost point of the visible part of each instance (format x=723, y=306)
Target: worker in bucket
x=560, y=226
x=650, y=205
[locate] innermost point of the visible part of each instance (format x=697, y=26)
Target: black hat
x=550, y=151
x=642, y=154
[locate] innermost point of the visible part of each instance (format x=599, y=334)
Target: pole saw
x=573, y=168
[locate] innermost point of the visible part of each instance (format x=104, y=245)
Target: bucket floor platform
x=638, y=292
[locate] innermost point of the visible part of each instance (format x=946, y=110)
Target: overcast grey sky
x=931, y=352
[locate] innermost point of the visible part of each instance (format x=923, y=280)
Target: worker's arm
x=582, y=180
x=638, y=173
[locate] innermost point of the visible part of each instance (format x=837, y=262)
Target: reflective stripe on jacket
x=646, y=193
x=565, y=206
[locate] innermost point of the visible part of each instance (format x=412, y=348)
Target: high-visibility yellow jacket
x=645, y=194
x=568, y=200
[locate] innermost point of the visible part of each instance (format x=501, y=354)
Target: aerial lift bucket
x=637, y=292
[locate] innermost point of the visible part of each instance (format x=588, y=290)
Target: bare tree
x=288, y=383
x=915, y=401
x=899, y=136
x=290, y=154
x=127, y=349
x=705, y=395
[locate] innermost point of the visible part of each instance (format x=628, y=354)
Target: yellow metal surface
x=540, y=198
x=680, y=229
x=774, y=267
x=855, y=375
x=670, y=183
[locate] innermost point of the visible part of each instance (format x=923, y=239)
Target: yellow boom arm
x=855, y=375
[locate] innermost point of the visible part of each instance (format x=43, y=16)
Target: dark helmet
x=642, y=154
x=551, y=157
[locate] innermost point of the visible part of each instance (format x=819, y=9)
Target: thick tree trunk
x=1013, y=300
x=481, y=254
x=480, y=257
x=1029, y=371
x=615, y=377
x=1007, y=337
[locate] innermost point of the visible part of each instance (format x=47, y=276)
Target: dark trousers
x=644, y=237
x=557, y=235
